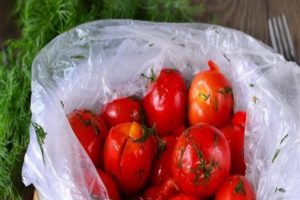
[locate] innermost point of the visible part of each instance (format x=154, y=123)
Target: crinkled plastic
x=99, y=61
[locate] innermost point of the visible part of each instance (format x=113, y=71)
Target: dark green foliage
x=170, y=10
x=40, y=21
x=120, y=9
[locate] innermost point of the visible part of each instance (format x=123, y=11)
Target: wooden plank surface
x=251, y=16
x=8, y=28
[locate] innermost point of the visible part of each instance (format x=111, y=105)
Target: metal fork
x=281, y=37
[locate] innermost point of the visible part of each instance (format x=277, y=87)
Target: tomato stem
x=152, y=76
x=147, y=132
x=213, y=66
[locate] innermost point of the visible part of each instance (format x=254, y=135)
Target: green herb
x=161, y=147
x=239, y=188
x=254, y=99
x=90, y=113
x=147, y=132
x=226, y=57
x=62, y=104
x=40, y=135
x=89, y=122
x=225, y=90
x=280, y=190
x=86, y=123
x=95, y=127
x=275, y=155
x=281, y=141
x=204, y=96
x=197, y=179
x=199, y=153
x=171, y=10
x=40, y=21
x=202, y=166
x=78, y=57
x=207, y=170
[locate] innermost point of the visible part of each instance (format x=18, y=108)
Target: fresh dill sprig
x=171, y=10
x=39, y=22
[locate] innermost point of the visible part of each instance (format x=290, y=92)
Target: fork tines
x=281, y=37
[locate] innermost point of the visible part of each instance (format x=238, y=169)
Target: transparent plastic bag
x=99, y=61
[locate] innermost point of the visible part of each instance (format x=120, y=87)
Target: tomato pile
x=176, y=142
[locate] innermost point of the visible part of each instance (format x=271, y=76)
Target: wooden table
x=8, y=28
x=251, y=16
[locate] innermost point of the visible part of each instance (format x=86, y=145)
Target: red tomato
x=235, y=138
x=178, y=131
x=152, y=193
x=210, y=98
x=162, y=165
x=162, y=192
x=201, y=160
x=239, y=119
x=122, y=110
x=183, y=197
x=128, y=154
x=235, y=188
x=165, y=102
x=90, y=131
x=96, y=190
x=110, y=185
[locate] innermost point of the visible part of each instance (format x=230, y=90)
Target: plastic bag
x=99, y=61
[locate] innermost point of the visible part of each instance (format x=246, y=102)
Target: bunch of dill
x=39, y=22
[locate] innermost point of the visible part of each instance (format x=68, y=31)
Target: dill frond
x=40, y=21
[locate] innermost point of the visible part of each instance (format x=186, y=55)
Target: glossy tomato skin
x=152, y=193
x=128, y=156
x=235, y=138
x=183, y=197
x=168, y=188
x=165, y=102
x=239, y=118
x=177, y=132
x=122, y=110
x=91, y=131
x=201, y=160
x=162, y=164
x=164, y=191
x=110, y=185
x=210, y=98
x=235, y=188
x=96, y=190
